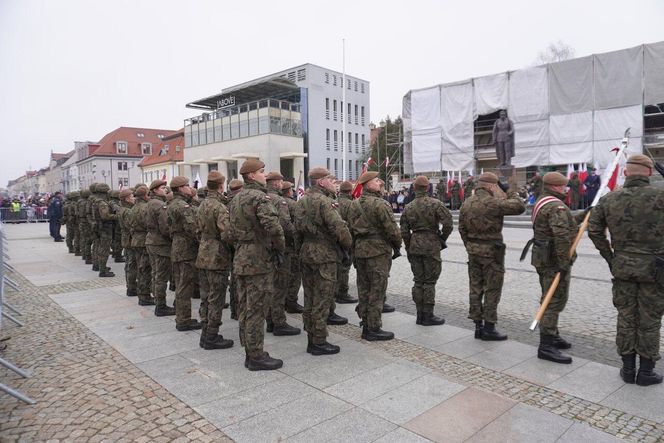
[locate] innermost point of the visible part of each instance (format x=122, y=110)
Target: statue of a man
x=503, y=138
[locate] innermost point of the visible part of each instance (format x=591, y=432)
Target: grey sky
x=75, y=70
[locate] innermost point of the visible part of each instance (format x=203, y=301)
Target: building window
x=160, y=136
x=350, y=169
x=334, y=110
x=121, y=147
x=327, y=108
x=357, y=168
x=336, y=145
x=355, y=86
x=328, y=164
x=140, y=135
x=291, y=76
x=122, y=166
x=147, y=148
x=362, y=88
x=356, y=116
x=350, y=142
x=327, y=77
x=357, y=145
x=327, y=138
x=301, y=75
x=336, y=167
x=362, y=115
x=349, y=113
x=348, y=84
x=363, y=140
x=334, y=80
x=123, y=182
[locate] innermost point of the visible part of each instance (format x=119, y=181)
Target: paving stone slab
x=543, y=372
x=435, y=337
x=466, y=347
x=644, y=401
x=504, y=355
x=583, y=433
x=592, y=381
x=401, y=435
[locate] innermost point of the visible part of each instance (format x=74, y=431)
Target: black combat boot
x=163, y=311
x=285, y=329
x=191, y=326
x=233, y=315
x=334, y=319
x=201, y=342
x=88, y=261
x=264, y=363
x=429, y=319
x=196, y=295
x=490, y=333
x=106, y=274
x=376, y=334
x=646, y=375
x=628, y=370
x=345, y=299
x=270, y=326
x=171, y=286
x=548, y=351
x=388, y=308
x=560, y=342
x=147, y=302
x=132, y=293
x=216, y=341
x=479, y=324
x=322, y=349
x=294, y=308
x=119, y=259
x=95, y=267
x=71, y=250
x=77, y=254
x=418, y=319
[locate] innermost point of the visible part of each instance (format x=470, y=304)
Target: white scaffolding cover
x=571, y=86
x=618, y=77
x=426, y=151
x=654, y=73
x=456, y=104
x=425, y=105
x=491, y=93
x=528, y=94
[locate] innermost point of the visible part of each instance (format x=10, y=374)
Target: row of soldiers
x=267, y=242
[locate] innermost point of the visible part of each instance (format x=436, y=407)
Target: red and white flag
x=618, y=176
x=387, y=162
x=583, y=173
x=357, y=190
x=300, y=187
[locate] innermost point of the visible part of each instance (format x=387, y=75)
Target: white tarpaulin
x=618, y=77
x=571, y=86
x=654, y=73
x=611, y=123
x=456, y=103
x=425, y=105
x=491, y=93
x=602, y=155
x=529, y=134
x=571, y=128
x=456, y=161
x=426, y=151
x=580, y=152
x=537, y=155
x=528, y=94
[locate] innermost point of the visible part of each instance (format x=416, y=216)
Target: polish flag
x=357, y=190
x=570, y=171
x=450, y=177
x=618, y=177
x=461, y=183
x=583, y=173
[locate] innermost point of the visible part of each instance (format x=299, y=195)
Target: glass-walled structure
x=268, y=116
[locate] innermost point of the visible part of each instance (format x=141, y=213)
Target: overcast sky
x=76, y=70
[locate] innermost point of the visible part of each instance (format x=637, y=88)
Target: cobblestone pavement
x=85, y=390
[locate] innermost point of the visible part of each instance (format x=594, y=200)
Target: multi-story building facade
x=114, y=159
x=293, y=120
x=163, y=163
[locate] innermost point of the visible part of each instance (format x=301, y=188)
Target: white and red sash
x=540, y=204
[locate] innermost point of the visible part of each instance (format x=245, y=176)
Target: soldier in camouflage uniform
x=376, y=236
x=424, y=240
x=158, y=246
x=481, y=227
x=258, y=239
x=455, y=192
x=84, y=227
x=635, y=256
x=468, y=187
x=554, y=229
x=295, y=275
x=325, y=240
x=126, y=198
x=345, y=201
x=70, y=220
x=116, y=244
x=574, y=186
x=234, y=188
x=106, y=218
x=184, y=249
x=535, y=183
x=94, y=225
x=275, y=314
x=214, y=261
x=441, y=190
x=138, y=230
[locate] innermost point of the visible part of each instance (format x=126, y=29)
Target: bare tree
x=555, y=52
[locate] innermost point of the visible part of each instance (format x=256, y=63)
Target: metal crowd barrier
x=4, y=306
x=24, y=215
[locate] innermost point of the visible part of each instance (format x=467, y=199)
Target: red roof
x=134, y=137
x=171, y=149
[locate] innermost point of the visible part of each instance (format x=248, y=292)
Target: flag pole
x=582, y=229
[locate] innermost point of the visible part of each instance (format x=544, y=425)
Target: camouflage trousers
x=78, y=247
x=252, y=293
x=116, y=244
x=485, y=276
x=320, y=284
x=275, y=308
x=640, y=308
x=86, y=242
x=187, y=274
x=426, y=271
x=144, y=280
x=549, y=323
x=343, y=272
x=294, y=279
x=213, y=296
x=94, y=245
x=71, y=236
x=160, y=266
x=103, y=249
x=131, y=269
x=232, y=294
x=372, y=274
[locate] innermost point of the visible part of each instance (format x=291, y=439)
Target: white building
x=292, y=120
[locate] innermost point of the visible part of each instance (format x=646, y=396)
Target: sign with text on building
x=224, y=102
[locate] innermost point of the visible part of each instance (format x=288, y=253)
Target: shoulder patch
x=284, y=202
x=267, y=197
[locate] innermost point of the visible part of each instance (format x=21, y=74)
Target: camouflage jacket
x=633, y=215
x=136, y=223
x=124, y=211
x=184, y=229
x=420, y=225
x=105, y=213
x=281, y=206
x=213, y=221
x=373, y=227
x=322, y=231
x=89, y=213
x=80, y=211
x=456, y=189
x=554, y=230
x=158, y=243
x=481, y=220
x=345, y=201
x=297, y=243
x=254, y=231
x=468, y=188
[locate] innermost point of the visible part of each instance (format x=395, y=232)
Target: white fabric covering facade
x=568, y=112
